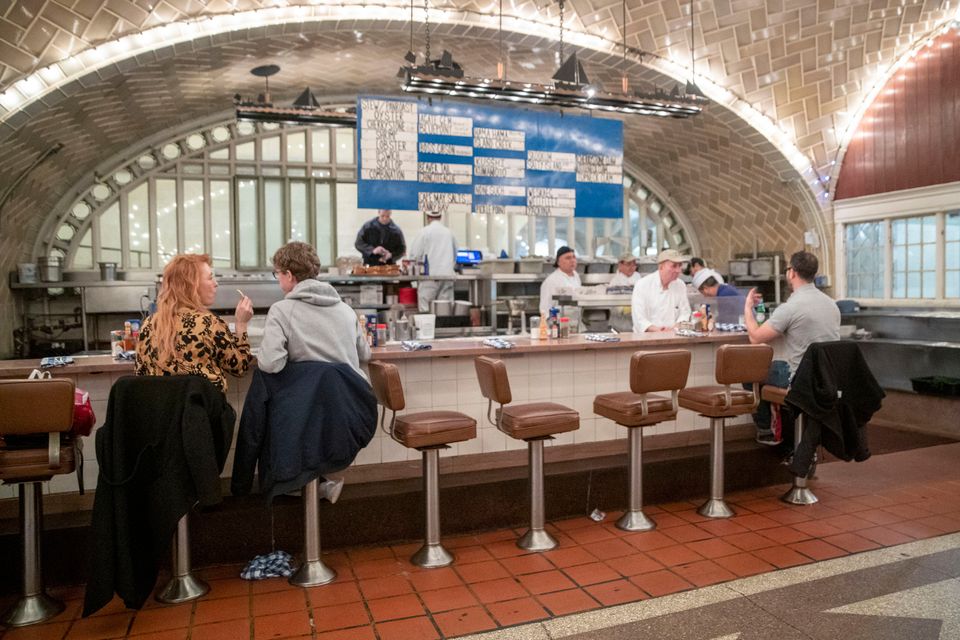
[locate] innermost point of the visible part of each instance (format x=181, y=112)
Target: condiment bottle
x=564, y=327
x=761, y=312
x=381, y=334
x=543, y=328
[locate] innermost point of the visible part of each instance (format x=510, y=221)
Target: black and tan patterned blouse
x=204, y=347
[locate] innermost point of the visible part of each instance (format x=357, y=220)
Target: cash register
x=469, y=258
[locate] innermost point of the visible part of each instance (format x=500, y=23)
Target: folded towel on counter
x=730, y=326
x=55, y=361
x=689, y=333
x=498, y=343
x=270, y=565
x=413, y=345
x=598, y=337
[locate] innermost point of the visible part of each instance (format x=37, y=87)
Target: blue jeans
x=779, y=376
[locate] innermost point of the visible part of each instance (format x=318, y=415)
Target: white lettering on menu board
x=501, y=139
x=551, y=202
x=499, y=190
x=388, y=140
x=445, y=173
x=499, y=167
x=446, y=125
x=604, y=169
x=446, y=149
x=444, y=202
x=498, y=209
x=551, y=161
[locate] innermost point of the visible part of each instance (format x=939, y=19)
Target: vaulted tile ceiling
x=803, y=63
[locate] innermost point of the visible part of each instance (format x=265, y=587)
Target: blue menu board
x=460, y=157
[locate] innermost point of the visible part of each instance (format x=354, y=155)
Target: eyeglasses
x=276, y=274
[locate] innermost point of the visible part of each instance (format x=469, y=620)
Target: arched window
x=239, y=190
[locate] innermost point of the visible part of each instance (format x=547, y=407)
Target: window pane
x=953, y=227
x=193, y=216
x=582, y=242
x=220, y=154
x=324, y=221
x=929, y=284
x=270, y=149
x=83, y=256
x=478, y=232
x=299, y=211
x=246, y=151
x=221, y=247
x=561, y=233
x=138, y=222
x=296, y=147
x=349, y=218
x=110, y=249
x=521, y=233
x=273, y=215
x=501, y=234
x=541, y=229
x=320, y=145
x=166, y=219
x=344, y=146
x=457, y=222
x=953, y=284
x=247, y=226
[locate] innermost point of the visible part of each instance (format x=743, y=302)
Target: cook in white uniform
x=659, y=298
x=563, y=281
x=626, y=275
x=438, y=245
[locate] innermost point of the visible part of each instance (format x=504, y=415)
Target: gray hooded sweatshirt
x=312, y=324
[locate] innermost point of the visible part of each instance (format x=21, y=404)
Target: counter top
x=475, y=346
x=441, y=348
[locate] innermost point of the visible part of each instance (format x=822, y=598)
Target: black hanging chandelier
x=572, y=89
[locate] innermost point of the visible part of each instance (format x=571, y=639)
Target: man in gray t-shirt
x=808, y=316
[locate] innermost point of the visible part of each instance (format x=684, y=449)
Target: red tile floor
x=493, y=584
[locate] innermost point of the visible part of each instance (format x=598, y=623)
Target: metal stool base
x=715, y=508
x=181, y=589
x=537, y=540
x=431, y=556
x=799, y=495
x=31, y=610
x=635, y=521
x=312, y=574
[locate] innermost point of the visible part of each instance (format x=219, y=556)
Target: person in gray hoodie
x=311, y=323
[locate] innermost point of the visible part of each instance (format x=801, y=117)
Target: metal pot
x=108, y=271
x=461, y=308
x=50, y=268
x=443, y=307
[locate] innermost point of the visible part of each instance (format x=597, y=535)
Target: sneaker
x=330, y=489
x=767, y=438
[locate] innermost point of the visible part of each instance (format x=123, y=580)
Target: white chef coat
x=620, y=280
x=439, y=246
x=557, y=283
x=651, y=304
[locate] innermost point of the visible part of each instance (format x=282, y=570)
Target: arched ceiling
x=805, y=64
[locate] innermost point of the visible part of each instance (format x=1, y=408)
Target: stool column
x=799, y=493
x=536, y=538
x=715, y=507
x=183, y=586
x=34, y=604
x=313, y=571
x=432, y=553
x=634, y=519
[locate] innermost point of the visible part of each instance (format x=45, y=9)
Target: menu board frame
x=419, y=154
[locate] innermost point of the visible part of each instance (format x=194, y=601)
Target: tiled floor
x=889, y=500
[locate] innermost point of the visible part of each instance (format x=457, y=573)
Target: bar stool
x=35, y=408
x=736, y=363
x=649, y=371
x=533, y=422
x=427, y=432
x=799, y=493
x=314, y=571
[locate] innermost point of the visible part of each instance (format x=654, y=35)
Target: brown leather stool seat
x=772, y=394
x=428, y=432
x=433, y=428
x=533, y=423
x=736, y=364
x=649, y=371
x=537, y=419
x=36, y=417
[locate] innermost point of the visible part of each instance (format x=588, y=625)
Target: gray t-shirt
x=808, y=316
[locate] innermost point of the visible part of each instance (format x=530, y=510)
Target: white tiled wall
x=571, y=378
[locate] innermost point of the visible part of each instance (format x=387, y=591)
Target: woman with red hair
x=183, y=337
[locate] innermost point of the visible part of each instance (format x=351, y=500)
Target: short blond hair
x=299, y=258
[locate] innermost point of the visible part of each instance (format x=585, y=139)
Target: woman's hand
x=243, y=314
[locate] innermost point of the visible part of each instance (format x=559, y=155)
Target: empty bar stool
x=533, y=422
x=41, y=410
x=649, y=371
x=427, y=432
x=736, y=364
x=799, y=493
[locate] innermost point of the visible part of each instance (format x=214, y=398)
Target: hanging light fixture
x=571, y=89
x=306, y=109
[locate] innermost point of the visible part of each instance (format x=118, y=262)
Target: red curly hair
x=179, y=292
